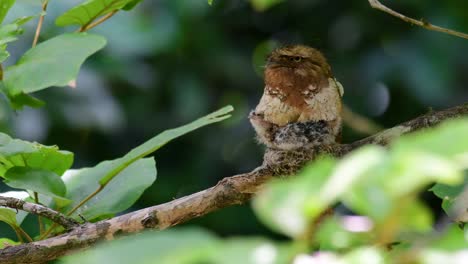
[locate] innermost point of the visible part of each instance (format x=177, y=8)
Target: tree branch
x=233, y=190
x=37, y=209
x=422, y=23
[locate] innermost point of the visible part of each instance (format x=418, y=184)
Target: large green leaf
x=8, y=216
x=15, y=152
x=118, y=195
x=5, y=5
x=54, y=62
x=167, y=247
x=132, y=174
x=88, y=11
x=37, y=180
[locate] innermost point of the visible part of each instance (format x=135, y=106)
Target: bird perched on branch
x=301, y=102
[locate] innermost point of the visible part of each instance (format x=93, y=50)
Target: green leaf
x=129, y=182
x=448, y=193
x=88, y=11
x=354, y=169
x=160, y=140
x=4, y=7
x=8, y=216
x=287, y=206
x=118, y=195
x=15, y=152
x=210, y=2
x=166, y=247
x=453, y=238
x=54, y=62
x=37, y=180
x=131, y=5
x=20, y=100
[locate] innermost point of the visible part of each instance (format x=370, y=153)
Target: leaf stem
x=85, y=200
x=97, y=22
x=18, y=234
x=39, y=24
x=39, y=219
x=22, y=232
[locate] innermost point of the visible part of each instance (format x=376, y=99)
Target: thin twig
x=18, y=234
x=360, y=123
x=39, y=24
x=97, y=22
x=422, y=23
x=37, y=209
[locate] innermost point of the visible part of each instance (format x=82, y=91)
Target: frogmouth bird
x=301, y=103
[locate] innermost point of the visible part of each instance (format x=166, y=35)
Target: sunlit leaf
x=54, y=62
x=287, y=206
x=38, y=180
x=5, y=5
x=88, y=11
x=8, y=216
x=15, y=152
x=5, y=242
x=436, y=140
x=453, y=238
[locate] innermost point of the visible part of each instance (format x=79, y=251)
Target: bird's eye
x=297, y=59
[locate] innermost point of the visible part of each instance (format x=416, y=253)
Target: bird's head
x=298, y=59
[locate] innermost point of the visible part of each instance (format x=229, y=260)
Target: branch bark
x=37, y=209
x=230, y=191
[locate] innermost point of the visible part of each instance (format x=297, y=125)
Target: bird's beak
x=272, y=63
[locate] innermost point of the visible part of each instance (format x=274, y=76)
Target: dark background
x=169, y=62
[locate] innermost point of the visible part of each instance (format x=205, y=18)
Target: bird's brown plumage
x=299, y=88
